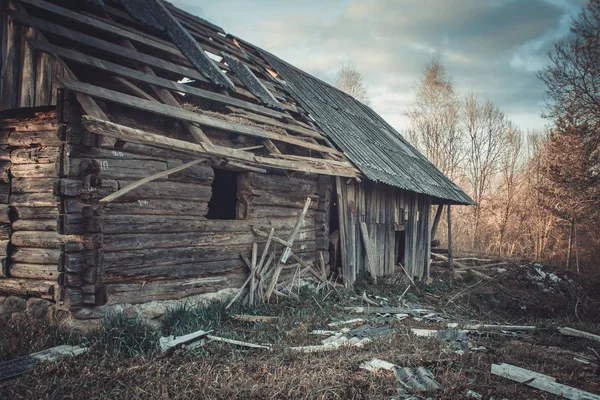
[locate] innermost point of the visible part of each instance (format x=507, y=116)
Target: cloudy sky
x=490, y=47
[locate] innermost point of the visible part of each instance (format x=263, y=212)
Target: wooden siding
x=29, y=77
x=384, y=210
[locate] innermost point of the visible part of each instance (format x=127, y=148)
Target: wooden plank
x=109, y=47
x=28, y=73
x=141, y=182
x=110, y=129
x=43, y=82
x=10, y=64
x=581, y=334
x=541, y=382
x=368, y=250
x=178, y=113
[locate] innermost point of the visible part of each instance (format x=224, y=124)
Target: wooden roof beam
x=117, y=131
x=178, y=113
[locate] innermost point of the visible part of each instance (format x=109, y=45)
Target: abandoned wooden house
x=228, y=140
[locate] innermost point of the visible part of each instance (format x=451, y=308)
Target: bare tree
x=487, y=130
x=434, y=120
x=510, y=182
x=351, y=81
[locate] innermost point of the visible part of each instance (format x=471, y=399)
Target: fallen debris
x=376, y=364
x=348, y=322
x=171, y=342
x=239, y=343
x=255, y=318
x=417, y=380
x=21, y=365
x=341, y=341
x=479, y=327
x=576, y=333
x=541, y=382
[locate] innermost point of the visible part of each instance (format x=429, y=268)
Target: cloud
x=490, y=47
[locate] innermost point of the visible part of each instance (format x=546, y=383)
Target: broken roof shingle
x=377, y=149
x=251, y=82
x=154, y=13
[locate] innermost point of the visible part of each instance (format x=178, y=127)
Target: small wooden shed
x=97, y=95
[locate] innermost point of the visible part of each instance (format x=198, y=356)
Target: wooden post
x=450, y=255
x=436, y=221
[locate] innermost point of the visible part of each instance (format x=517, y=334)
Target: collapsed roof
x=236, y=101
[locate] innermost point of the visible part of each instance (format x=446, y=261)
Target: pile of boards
x=265, y=272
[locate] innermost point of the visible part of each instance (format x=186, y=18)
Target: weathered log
x=27, y=287
x=131, y=259
x=5, y=231
x=33, y=170
x=167, y=190
x=78, y=224
x=265, y=211
x=4, y=152
x=283, y=184
x=271, y=199
x=32, y=185
x=34, y=155
x=188, y=239
x=33, y=271
x=149, y=290
x=5, y=213
x=4, y=171
x=35, y=255
x=33, y=200
x=33, y=212
x=202, y=269
x=74, y=187
x=45, y=137
x=158, y=207
x=113, y=168
x=35, y=225
x=4, y=248
x=159, y=175
x=164, y=223
x=53, y=240
x=4, y=193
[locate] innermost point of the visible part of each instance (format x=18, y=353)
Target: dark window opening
x=223, y=202
x=400, y=246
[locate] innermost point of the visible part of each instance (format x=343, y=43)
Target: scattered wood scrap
x=264, y=278
x=239, y=343
x=170, y=343
x=21, y=365
x=255, y=318
x=541, y=382
x=492, y=327
x=576, y=333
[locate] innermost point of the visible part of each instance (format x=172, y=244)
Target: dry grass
x=220, y=371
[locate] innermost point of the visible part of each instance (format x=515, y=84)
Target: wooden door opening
x=400, y=246
x=223, y=202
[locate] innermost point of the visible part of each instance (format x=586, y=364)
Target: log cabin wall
x=393, y=219
x=29, y=243
x=156, y=242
